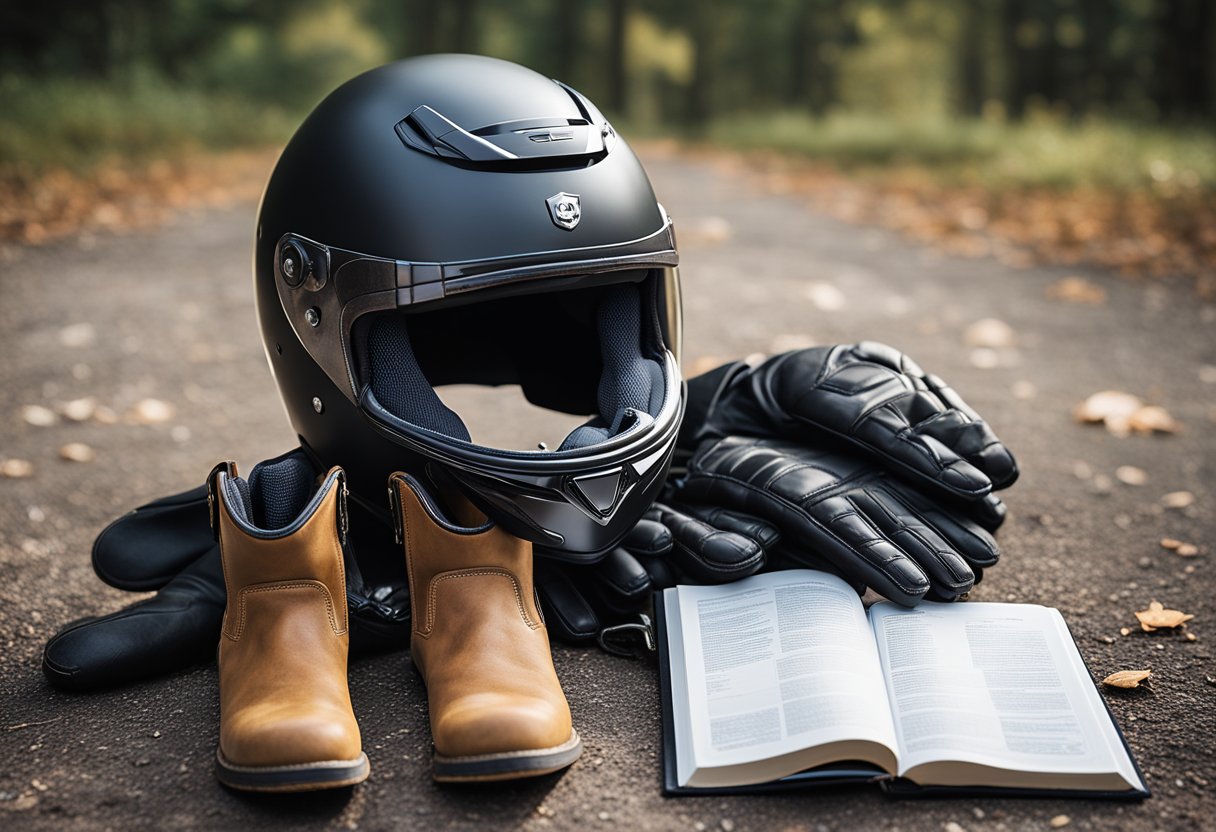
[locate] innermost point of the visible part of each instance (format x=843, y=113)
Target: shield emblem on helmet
x=565, y=210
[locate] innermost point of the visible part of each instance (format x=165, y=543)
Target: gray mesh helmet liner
x=629, y=382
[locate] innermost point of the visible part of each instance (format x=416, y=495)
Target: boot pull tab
x=343, y=511
x=394, y=503
x=213, y=498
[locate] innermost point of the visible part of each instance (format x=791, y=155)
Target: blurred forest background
x=1075, y=129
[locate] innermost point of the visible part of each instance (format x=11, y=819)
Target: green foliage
x=1039, y=151
x=76, y=124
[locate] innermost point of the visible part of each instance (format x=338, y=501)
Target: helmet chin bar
x=549, y=496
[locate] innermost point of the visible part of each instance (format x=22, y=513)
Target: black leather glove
x=844, y=512
x=669, y=545
x=871, y=396
x=157, y=547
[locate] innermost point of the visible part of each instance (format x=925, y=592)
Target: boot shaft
x=308, y=550
x=462, y=543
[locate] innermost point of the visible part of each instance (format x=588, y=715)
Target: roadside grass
x=74, y=125
x=1040, y=152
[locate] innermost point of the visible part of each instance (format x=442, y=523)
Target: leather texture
x=479, y=641
x=874, y=397
x=845, y=513
x=284, y=699
x=175, y=630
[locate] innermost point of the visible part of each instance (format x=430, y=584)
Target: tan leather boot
x=497, y=709
x=286, y=722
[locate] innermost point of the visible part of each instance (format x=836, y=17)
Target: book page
x=773, y=664
x=997, y=685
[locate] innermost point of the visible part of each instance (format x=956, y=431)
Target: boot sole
x=508, y=765
x=304, y=777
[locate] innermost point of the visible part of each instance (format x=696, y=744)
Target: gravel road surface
x=167, y=314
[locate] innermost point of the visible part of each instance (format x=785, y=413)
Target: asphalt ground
x=168, y=314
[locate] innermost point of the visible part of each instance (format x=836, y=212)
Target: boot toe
x=500, y=724
x=254, y=739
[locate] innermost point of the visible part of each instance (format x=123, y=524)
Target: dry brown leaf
x=16, y=468
x=1131, y=475
x=1190, y=637
x=38, y=416
x=78, y=410
x=1170, y=543
x=1127, y=678
x=1112, y=407
x=1077, y=289
x=150, y=412
x=1187, y=550
x=77, y=452
x=990, y=333
x=1157, y=617
x=1178, y=499
x=1153, y=419
x=1059, y=821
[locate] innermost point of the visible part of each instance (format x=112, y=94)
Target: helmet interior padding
x=580, y=351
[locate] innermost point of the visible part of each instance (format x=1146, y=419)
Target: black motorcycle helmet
x=456, y=219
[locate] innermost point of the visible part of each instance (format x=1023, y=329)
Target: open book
x=785, y=678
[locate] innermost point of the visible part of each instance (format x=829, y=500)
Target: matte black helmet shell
x=460, y=219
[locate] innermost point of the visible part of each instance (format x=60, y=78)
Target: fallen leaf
x=1112, y=407
x=105, y=416
x=16, y=468
x=1153, y=419
x=1077, y=289
x=1131, y=475
x=825, y=296
x=1124, y=631
x=1178, y=499
x=150, y=412
x=38, y=416
x=1191, y=637
x=1127, y=679
x=78, y=410
x=1187, y=550
x=983, y=358
x=991, y=333
x=77, y=335
x=77, y=452
x=1059, y=821
x=1158, y=617
x=1170, y=543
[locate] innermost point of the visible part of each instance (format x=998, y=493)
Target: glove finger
x=662, y=572
x=649, y=536
x=971, y=540
x=709, y=554
x=847, y=537
x=620, y=578
x=949, y=573
x=989, y=512
x=919, y=454
x=967, y=434
x=785, y=484
x=568, y=614
x=764, y=533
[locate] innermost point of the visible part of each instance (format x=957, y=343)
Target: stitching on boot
x=471, y=573
x=318, y=586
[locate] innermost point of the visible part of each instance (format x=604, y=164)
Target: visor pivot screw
x=317, y=404
x=313, y=316
x=289, y=267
